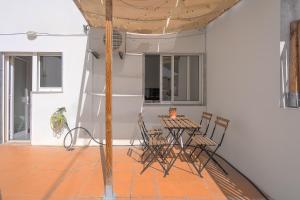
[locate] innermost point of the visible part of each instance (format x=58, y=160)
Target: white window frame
x=201, y=80
x=49, y=89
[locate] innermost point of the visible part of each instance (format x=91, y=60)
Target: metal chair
x=204, y=123
x=153, y=143
x=203, y=142
x=151, y=132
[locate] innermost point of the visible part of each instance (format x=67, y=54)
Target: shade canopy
x=155, y=16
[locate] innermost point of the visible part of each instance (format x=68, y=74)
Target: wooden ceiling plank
x=150, y=16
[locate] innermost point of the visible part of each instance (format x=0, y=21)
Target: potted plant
x=58, y=121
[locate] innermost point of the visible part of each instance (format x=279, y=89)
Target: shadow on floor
x=62, y=176
x=234, y=185
x=102, y=157
x=58, y=181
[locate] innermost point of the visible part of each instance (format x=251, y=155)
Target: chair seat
x=195, y=133
x=201, y=140
x=154, y=141
x=154, y=131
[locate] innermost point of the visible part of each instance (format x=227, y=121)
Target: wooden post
x=294, y=81
x=108, y=100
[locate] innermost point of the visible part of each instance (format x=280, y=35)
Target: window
x=171, y=79
x=152, y=81
x=166, y=77
x=50, y=73
x=180, y=78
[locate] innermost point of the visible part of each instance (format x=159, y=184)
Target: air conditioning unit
x=118, y=42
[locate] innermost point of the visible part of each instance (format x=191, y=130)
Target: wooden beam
x=108, y=91
x=294, y=65
x=79, y=6
x=294, y=59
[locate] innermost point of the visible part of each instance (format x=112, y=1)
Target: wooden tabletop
x=178, y=123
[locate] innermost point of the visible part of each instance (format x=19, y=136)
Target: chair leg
x=207, y=161
x=190, y=139
x=164, y=159
x=144, y=159
x=188, y=142
x=150, y=162
x=146, y=167
x=202, y=148
x=155, y=152
x=215, y=161
x=145, y=150
x=191, y=154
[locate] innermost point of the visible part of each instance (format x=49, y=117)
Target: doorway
x=19, y=89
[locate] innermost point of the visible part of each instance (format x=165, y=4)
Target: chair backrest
x=205, y=121
x=142, y=127
x=166, y=116
x=223, y=124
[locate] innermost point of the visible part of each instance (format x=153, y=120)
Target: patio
x=115, y=68
x=35, y=172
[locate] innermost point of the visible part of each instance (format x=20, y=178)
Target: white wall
x=83, y=75
x=128, y=81
x=53, y=17
x=244, y=85
x=44, y=16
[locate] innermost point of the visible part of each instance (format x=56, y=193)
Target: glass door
x=1, y=98
x=167, y=78
x=19, y=99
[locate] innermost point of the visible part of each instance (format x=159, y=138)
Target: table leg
x=176, y=138
x=170, y=146
x=189, y=140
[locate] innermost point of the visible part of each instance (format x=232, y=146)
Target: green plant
x=58, y=121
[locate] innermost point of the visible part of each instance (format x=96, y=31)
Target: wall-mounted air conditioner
x=118, y=43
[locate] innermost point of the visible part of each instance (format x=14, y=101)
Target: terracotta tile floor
x=33, y=173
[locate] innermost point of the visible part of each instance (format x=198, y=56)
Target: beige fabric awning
x=155, y=16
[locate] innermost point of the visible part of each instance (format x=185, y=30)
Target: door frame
x=6, y=93
x=2, y=97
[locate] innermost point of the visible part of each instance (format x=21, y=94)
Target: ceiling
x=155, y=16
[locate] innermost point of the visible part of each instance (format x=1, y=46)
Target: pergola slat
x=155, y=16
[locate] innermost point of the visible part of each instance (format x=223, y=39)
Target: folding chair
x=153, y=143
x=204, y=143
x=153, y=132
x=204, y=123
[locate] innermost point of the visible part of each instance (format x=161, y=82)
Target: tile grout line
x=132, y=180
x=156, y=186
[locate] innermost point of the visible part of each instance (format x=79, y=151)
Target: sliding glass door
x=19, y=97
x=1, y=97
